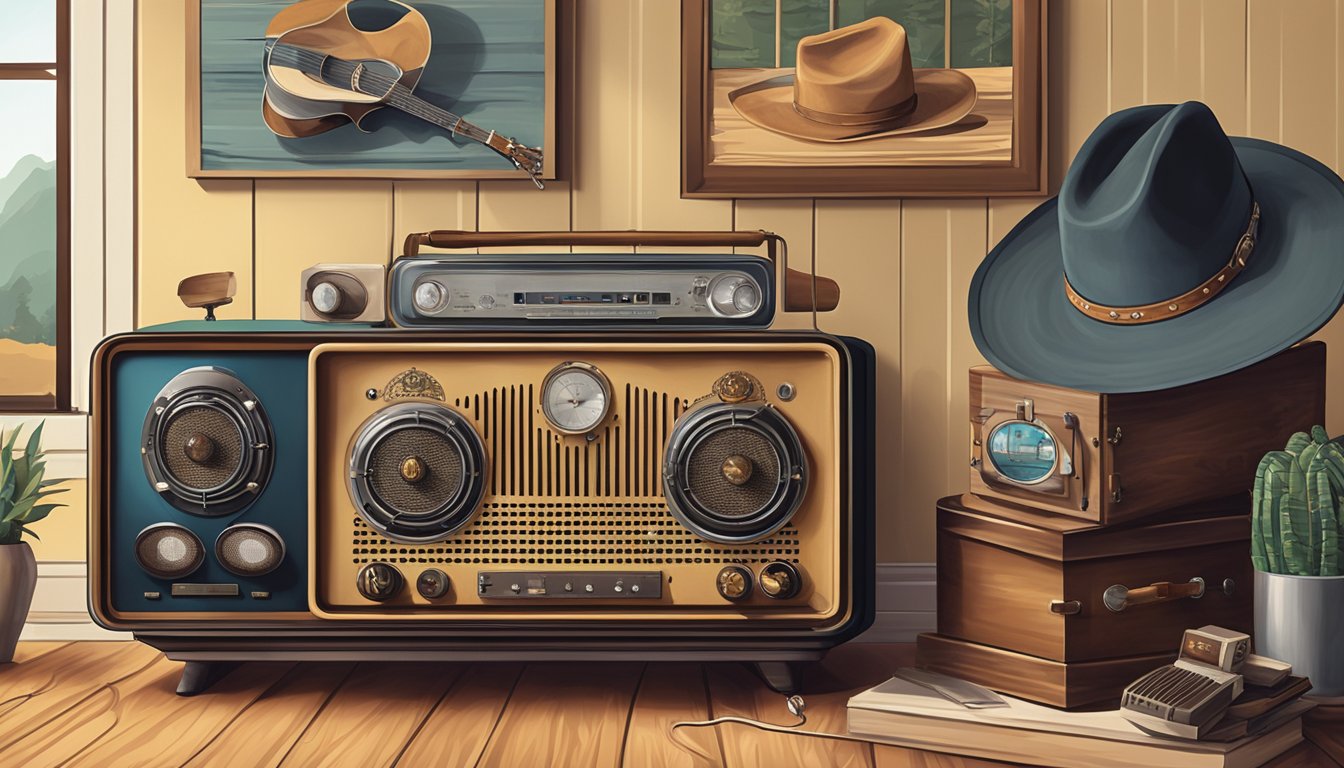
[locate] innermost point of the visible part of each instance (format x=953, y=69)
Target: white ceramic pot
x=18, y=578
x=1300, y=620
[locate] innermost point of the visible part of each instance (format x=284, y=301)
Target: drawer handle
x=1119, y=597
x=1066, y=607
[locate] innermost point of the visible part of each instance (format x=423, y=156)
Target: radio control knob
x=379, y=581
x=432, y=584
x=486, y=302
x=199, y=448
x=733, y=582
x=429, y=296
x=737, y=469
x=326, y=297
x=746, y=298
x=780, y=580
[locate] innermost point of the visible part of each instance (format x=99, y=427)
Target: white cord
x=797, y=708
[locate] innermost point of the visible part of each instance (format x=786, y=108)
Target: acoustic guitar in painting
x=322, y=72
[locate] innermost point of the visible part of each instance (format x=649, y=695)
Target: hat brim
x=945, y=97
x=1293, y=284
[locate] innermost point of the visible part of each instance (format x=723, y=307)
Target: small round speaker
x=417, y=472
x=734, y=472
x=168, y=551
x=207, y=443
x=249, y=549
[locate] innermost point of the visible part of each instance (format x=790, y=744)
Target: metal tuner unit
x=701, y=291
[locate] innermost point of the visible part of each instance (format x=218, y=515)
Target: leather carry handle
x=801, y=292
x=1119, y=597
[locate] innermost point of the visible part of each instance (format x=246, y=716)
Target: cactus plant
x=1298, y=507
x=22, y=486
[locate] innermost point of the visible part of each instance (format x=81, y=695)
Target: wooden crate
x=1141, y=454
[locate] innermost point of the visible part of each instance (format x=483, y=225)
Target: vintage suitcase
x=1068, y=613
x=1111, y=458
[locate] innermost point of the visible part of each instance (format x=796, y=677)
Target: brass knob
x=413, y=469
x=737, y=469
x=199, y=448
x=378, y=581
x=734, y=582
x=734, y=387
x=432, y=584
x=780, y=580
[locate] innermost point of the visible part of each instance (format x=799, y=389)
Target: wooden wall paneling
x=1127, y=49
x=263, y=733
x=859, y=245
x=395, y=697
x=419, y=206
x=1264, y=56
x=585, y=715
x=606, y=143
x=458, y=729
x=1078, y=77
x=1223, y=63
x=87, y=252
x=302, y=222
x=791, y=220
x=119, y=167
x=941, y=244
x=185, y=227
x=1005, y=213
x=518, y=206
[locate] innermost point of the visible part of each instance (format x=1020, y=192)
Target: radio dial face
x=576, y=398
x=429, y=296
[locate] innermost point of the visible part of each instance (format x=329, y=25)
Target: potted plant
x=21, y=488
x=1296, y=519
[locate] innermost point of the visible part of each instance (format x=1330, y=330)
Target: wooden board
x=458, y=729
x=671, y=693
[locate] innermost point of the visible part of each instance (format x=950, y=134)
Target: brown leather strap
x=799, y=287
x=1177, y=305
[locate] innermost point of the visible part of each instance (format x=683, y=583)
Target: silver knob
x=326, y=297
x=429, y=296
x=379, y=581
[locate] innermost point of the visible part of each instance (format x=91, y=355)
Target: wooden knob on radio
x=737, y=469
x=199, y=448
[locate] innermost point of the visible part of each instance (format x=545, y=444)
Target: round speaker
x=168, y=551
x=734, y=472
x=206, y=443
x=249, y=549
x=417, y=472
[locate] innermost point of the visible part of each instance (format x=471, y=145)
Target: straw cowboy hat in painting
x=856, y=83
x=1172, y=254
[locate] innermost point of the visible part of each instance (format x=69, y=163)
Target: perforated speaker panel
x=250, y=549
x=168, y=551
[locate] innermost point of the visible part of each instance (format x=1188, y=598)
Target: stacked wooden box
x=1100, y=527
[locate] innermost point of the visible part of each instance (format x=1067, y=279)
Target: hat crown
x=860, y=69
x=1153, y=205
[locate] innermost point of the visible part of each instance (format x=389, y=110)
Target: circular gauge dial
x=575, y=398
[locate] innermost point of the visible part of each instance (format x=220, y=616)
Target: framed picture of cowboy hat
x=863, y=98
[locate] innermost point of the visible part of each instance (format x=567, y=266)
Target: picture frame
x=227, y=136
x=727, y=156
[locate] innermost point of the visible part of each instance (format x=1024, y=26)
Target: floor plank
x=397, y=697
x=670, y=693
x=261, y=735
x=29, y=650
x=458, y=729
x=141, y=721
x=1324, y=726
x=52, y=683
x=565, y=715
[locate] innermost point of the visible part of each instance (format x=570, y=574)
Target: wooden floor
x=113, y=704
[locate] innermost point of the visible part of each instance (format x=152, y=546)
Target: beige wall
x=904, y=265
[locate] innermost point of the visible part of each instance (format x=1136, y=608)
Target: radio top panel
x=703, y=291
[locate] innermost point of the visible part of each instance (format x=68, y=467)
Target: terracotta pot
x=18, y=579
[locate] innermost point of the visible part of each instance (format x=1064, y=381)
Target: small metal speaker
x=249, y=549
x=207, y=443
x=734, y=472
x=417, y=472
x=168, y=551
x=343, y=293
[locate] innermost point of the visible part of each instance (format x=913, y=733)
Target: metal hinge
x=1114, y=439
x=1113, y=484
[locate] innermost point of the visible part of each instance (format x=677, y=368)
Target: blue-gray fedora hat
x=1172, y=254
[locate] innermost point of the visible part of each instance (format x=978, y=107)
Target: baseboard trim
x=906, y=604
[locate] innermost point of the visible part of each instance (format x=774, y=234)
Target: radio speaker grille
x=248, y=549
x=442, y=479
x=705, y=472
x=225, y=459
x=168, y=551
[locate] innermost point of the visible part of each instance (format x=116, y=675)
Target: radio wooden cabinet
x=1111, y=458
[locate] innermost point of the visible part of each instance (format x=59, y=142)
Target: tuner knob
x=379, y=581
x=199, y=448
x=432, y=584
x=413, y=469
x=429, y=296
x=780, y=580
x=734, y=582
x=737, y=469
x=326, y=298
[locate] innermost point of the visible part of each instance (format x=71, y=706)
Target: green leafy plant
x=1298, y=507
x=22, y=486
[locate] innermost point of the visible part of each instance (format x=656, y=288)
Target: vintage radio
x=1068, y=613
x=1109, y=458
x=267, y=490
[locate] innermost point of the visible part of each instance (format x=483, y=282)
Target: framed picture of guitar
x=863, y=98
x=388, y=89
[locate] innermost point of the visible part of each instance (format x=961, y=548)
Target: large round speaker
x=168, y=551
x=734, y=472
x=207, y=443
x=417, y=472
x=249, y=549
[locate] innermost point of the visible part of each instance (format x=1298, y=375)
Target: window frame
x=59, y=72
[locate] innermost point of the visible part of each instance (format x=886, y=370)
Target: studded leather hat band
x=1177, y=305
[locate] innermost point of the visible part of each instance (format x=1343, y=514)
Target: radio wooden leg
x=198, y=676
x=781, y=676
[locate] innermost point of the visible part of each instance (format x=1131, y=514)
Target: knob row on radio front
x=383, y=581
x=778, y=580
x=172, y=551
